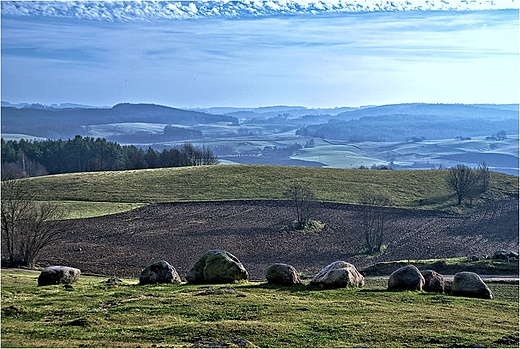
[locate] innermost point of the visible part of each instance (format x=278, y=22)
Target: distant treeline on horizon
x=87, y=154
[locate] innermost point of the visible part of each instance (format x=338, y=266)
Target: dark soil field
x=123, y=244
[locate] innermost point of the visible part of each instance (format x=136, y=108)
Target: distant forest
x=87, y=154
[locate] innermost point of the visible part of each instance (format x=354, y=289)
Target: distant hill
x=68, y=122
x=273, y=111
x=406, y=121
x=453, y=111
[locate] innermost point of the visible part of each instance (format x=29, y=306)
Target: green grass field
x=96, y=193
x=95, y=314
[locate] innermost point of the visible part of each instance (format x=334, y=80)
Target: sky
x=329, y=53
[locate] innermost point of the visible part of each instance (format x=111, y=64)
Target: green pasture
x=122, y=190
x=93, y=313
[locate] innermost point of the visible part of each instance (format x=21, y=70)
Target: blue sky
x=102, y=53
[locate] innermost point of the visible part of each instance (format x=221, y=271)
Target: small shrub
x=312, y=226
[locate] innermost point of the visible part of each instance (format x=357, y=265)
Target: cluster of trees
x=85, y=154
x=499, y=136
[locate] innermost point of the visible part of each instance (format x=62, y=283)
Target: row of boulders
x=217, y=266
x=465, y=283
x=498, y=255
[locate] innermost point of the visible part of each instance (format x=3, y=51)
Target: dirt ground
x=123, y=244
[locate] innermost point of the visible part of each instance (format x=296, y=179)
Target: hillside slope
x=238, y=208
x=408, y=189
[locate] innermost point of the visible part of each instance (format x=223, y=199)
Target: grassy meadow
x=93, y=313
x=97, y=193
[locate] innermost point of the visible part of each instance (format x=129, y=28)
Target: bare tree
x=27, y=226
x=303, y=200
x=463, y=181
x=374, y=215
x=484, y=176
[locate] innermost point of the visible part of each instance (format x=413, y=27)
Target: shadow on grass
x=288, y=288
x=441, y=202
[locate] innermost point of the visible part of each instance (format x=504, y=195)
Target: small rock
x=508, y=340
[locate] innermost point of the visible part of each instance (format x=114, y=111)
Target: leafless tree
x=374, y=215
x=303, y=200
x=484, y=176
x=464, y=181
x=28, y=226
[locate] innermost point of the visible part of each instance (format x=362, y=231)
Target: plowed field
x=123, y=244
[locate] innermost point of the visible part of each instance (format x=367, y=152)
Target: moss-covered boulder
x=217, y=266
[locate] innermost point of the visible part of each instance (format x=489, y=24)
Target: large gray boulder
x=433, y=281
x=58, y=275
x=406, y=278
x=217, y=266
x=282, y=274
x=160, y=272
x=338, y=274
x=469, y=284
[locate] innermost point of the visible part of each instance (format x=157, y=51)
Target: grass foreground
x=94, y=313
x=98, y=193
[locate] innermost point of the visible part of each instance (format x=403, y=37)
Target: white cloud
x=149, y=10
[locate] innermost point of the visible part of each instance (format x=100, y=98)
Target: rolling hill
x=67, y=122
x=186, y=211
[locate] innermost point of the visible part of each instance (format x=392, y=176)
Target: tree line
x=87, y=154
